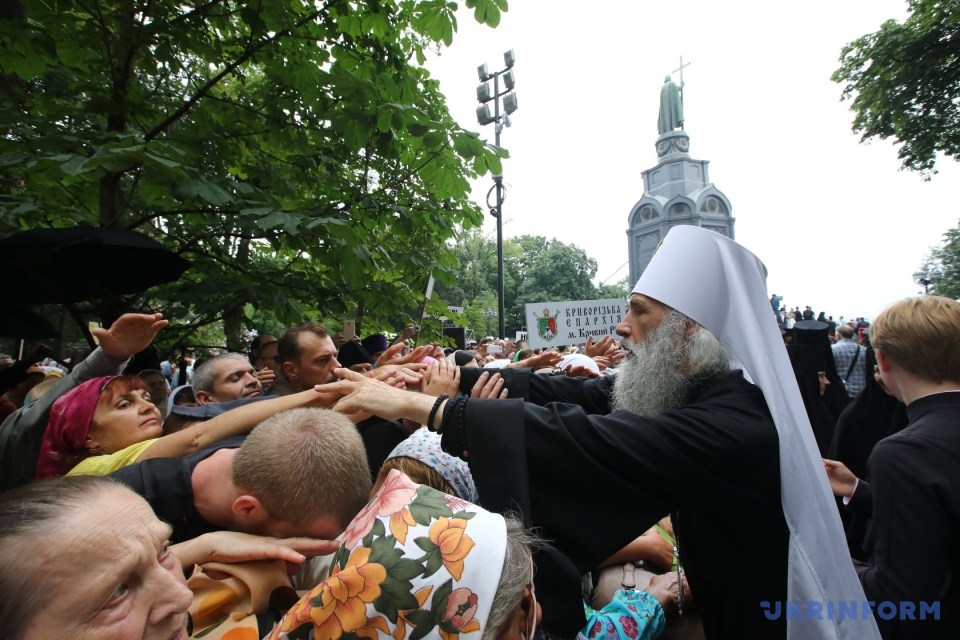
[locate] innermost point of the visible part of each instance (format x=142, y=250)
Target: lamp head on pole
x=510, y=102
x=482, y=73
x=483, y=93
x=483, y=114
x=509, y=59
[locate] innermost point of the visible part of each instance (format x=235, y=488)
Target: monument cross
x=680, y=69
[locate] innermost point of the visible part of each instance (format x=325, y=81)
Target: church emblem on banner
x=547, y=325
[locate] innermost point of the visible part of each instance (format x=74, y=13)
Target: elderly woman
x=106, y=423
x=86, y=557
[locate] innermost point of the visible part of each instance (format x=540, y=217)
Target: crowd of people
x=711, y=473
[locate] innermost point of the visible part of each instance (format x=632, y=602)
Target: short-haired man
x=914, y=491
x=851, y=360
x=307, y=358
x=225, y=377
x=302, y=472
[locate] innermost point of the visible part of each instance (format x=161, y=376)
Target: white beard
x=650, y=379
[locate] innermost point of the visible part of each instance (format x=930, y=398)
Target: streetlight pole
x=483, y=116
x=923, y=278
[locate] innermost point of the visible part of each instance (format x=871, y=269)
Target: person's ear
x=882, y=361
x=289, y=370
x=202, y=397
x=530, y=612
x=518, y=624
x=248, y=509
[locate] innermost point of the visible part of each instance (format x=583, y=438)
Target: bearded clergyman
x=703, y=421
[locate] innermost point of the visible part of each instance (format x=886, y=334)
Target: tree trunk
x=233, y=317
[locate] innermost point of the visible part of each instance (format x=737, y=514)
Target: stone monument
x=677, y=190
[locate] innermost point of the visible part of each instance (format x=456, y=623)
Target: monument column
x=677, y=190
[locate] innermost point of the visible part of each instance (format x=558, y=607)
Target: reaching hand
x=601, y=348
x=233, y=546
x=842, y=480
x=538, y=361
x=665, y=588
x=489, y=386
x=392, y=355
x=361, y=397
x=441, y=377
x=130, y=334
x=266, y=377
x=580, y=371
x=408, y=374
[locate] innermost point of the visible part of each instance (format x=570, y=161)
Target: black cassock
x=592, y=481
x=914, y=498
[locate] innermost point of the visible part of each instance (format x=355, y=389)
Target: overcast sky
x=838, y=225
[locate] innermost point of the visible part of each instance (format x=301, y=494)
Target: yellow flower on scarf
x=339, y=604
x=449, y=534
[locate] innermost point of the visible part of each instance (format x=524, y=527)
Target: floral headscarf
x=65, y=437
x=415, y=563
x=424, y=445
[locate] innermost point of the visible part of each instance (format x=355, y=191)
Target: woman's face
x=111, y=576
x=123, y=419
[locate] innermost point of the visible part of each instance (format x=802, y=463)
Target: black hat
x=811, y=350
x=352, y=353
x=812, y=332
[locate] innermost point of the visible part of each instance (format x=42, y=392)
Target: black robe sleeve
x=591, y=483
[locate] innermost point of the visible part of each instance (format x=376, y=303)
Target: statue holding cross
x=671, y=103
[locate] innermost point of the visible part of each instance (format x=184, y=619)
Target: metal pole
x=498, y=181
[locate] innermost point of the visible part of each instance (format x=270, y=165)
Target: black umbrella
x=73, y=264
x=20, y=322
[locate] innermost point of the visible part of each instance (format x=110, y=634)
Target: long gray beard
x=659, y=372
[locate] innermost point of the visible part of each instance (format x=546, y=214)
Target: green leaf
x=74, y=166
x=417, y=130
x=405, y=569
x=383, y=551
x=10, y=159
x=400, y=593
x=433, y=563
x=426, y=544
x=434, y=139
x=439, y=601
x=212, y=193
x=423, y=622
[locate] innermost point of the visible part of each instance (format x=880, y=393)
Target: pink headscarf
x=66, y=434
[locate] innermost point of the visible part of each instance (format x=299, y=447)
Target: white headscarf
x=719, y=284
x=414, y=560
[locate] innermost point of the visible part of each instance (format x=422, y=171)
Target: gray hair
x=28, y=515
x=516, y=575
x=706, y=355
x=205, y=374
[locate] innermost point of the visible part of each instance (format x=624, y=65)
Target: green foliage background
x=903, y=81
x=297, y=153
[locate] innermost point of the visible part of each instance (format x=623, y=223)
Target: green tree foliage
x=941, y=268
x=620, y=289
x=535, y=269
x=549, y=270
x=903, y=81
x=296, y=152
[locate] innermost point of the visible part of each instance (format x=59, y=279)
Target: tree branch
x=249, y=53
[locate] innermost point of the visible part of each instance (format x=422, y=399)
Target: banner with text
x=554, y=324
